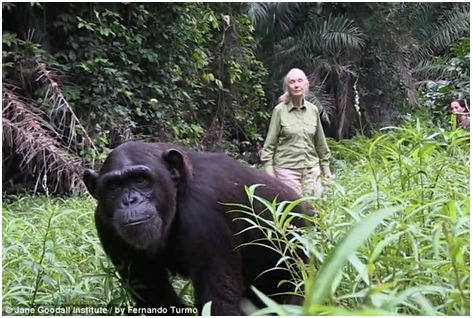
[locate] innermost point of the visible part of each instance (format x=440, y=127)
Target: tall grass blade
x=320, y=287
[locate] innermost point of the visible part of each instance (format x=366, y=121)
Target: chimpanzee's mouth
x=138, y=221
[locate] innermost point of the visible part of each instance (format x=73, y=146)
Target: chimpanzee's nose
x=130, y=198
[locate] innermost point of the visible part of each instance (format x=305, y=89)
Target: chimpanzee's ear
x=90, y=180
x=178, y=165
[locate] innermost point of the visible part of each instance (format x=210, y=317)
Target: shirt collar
x=291, y=106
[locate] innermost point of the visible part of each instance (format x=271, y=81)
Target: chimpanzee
x=161, y=211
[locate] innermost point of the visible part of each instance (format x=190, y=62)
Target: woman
x=459, y=108
x=295, y=150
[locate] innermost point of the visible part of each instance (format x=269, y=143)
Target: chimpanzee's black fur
x=160, y=211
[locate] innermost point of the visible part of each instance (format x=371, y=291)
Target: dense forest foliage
x=80, y=78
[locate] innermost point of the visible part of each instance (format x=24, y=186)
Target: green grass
x=393, y=236
x=394, y=229
x=417, y=260
x=51, y=254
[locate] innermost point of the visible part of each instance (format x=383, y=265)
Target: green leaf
x=206, y=311
x=320, y=287
x=219, y=83
x=272, y=306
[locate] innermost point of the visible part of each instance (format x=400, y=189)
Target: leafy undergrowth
x=392, y=238
x=53, y=260
x=51, y=254
x=393, y=232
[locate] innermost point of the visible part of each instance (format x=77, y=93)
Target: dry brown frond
x=61, y=112
x=28, y=135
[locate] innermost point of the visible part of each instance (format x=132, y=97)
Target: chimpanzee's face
x=138, y=201
x=131, y=198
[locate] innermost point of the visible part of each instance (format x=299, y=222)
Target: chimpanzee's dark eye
x=113, y=186
x=142, y=181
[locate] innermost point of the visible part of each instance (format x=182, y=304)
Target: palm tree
x=326, y=47
x=433, y=30
x=387, y=46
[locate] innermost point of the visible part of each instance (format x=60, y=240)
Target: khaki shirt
x=295, y=139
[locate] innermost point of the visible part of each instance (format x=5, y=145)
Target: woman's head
x=458, y=107
x=295, y=84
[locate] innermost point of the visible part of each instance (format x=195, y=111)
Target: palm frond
x=413, y=16
x=61, y=113
x=288, y=48
x=428, y=70
x=323, y=101
x=278, y=17
x=452, y=25
x=25, y=133
x=336, y=68
x=320, y=65
x=339, y=33
x=421, y=29
x=287, y=14
x=258, y=13
x=333, y=35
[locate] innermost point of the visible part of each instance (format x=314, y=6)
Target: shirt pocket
x=291, y=129
x=310, y=128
